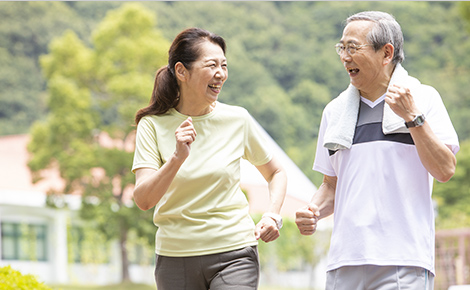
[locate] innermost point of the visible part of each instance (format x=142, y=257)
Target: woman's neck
x=191, y=109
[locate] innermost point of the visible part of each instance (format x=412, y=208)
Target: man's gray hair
x=386, y=30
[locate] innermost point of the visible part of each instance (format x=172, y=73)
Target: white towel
x=341, y=127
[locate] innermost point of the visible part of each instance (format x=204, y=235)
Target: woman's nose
x=221, y=73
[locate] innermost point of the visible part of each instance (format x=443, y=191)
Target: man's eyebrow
x=349, y=41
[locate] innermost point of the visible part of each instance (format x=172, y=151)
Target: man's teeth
x=353, y=70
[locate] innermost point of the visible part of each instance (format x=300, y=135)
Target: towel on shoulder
x=339, y=133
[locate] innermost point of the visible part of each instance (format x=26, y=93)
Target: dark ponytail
x=184, y=49
x=165, y=94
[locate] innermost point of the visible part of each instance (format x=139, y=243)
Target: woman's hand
x=266, y=230
x=185, y=134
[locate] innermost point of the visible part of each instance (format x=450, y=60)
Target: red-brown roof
x=14, y=170
x=15, y=175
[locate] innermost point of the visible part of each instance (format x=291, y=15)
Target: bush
x=14, y=280
x=293, y=251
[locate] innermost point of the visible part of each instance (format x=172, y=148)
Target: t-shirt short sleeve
x=146, y=149
x=257, y=150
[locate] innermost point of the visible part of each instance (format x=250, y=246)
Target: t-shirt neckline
x=373, y=104
x=196, y=118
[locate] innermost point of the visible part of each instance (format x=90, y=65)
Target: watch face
x=419, y=120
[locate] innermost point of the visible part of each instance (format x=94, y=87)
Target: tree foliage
x=453, y=197
x=292, y=251
x=282, y=67
x=26, y=31
x=94, y=93
x=273, y=47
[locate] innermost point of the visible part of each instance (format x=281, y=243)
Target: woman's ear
x=388, y=50
x=181, y=72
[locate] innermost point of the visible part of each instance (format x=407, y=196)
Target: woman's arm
x=151, y=184
x=275, y=175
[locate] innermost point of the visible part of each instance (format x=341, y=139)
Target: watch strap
x=416, y=122
x=276, y=217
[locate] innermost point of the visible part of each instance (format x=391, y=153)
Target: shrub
x=13, y=280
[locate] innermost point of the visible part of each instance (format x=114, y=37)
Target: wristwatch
x=418, y=121
x=277, y=218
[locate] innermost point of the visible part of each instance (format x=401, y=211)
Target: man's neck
x=380, y=88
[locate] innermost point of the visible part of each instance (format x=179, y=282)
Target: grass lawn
x=122, y=286
x=131, y=286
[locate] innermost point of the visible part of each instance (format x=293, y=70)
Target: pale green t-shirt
x=204, y=210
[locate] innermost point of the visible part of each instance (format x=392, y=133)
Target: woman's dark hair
x=184, y=49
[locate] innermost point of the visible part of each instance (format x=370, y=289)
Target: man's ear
x=181, y=72
x=388, y=51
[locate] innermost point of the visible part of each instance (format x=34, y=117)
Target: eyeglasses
x=351, y=48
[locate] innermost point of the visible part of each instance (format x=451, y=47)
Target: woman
x=187, y=165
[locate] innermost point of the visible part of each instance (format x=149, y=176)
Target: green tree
x=453, y=197
x=27, y=29
x=292, y=251
x=464, y=9
x=273, y=48
x=88, y=134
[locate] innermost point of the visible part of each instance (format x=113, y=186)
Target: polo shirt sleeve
x=322, y=161
x=439, y=120
x=256, y=149
x=146, y=153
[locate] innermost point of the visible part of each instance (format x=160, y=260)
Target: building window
x=26, y=242
x=87, y=245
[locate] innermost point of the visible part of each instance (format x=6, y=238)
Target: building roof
x=17, y=187
x=298, y=186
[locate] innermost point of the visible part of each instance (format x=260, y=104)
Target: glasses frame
x=340, y=48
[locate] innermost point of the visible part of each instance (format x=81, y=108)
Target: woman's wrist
x=275, y=217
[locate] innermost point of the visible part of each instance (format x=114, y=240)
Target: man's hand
x=306, y=219
x=401, y=102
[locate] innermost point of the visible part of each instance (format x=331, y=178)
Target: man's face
x=365, y=67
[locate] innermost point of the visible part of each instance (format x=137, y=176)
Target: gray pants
x=371, y=277
x=234, y=270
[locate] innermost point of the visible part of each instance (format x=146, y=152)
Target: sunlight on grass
x=122, y=286
x=131, y=286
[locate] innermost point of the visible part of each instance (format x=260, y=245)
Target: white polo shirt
x=383, y=208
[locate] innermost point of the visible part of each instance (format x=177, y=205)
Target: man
x=381, y=143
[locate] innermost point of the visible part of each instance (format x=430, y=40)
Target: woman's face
x=207, y=74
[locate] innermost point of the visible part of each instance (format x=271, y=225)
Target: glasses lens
x=352, y=49
x=339, y=48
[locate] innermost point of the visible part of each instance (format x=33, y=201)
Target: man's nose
x=345, y=56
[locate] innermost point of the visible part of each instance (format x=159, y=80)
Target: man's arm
x=321, y=206
x=436, y=157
